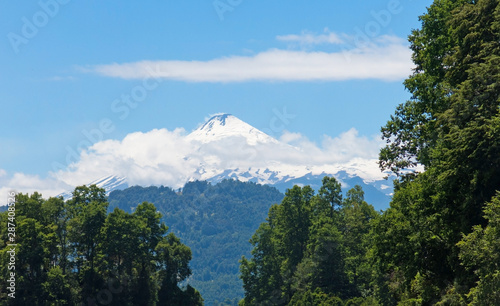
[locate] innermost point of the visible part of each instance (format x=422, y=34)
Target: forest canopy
x=73, y=252
x=436, y=243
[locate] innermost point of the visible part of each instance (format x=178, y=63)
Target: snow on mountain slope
x=109, y=183
x=266, y=160
x=261, y=156
x=226, y=147
x=225, y=125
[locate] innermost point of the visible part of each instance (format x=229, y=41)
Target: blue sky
x=67, y=68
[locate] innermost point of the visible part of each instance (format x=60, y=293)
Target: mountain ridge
x=225, y=147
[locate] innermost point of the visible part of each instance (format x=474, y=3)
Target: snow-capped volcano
x=266, y=160
x=226, y=125
x=227, y=147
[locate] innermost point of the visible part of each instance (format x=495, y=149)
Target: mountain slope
x=109, y=183
x=227, y=147
x=265, y=160
x=225, y=125
x=215, y=221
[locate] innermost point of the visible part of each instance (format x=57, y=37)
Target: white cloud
x=289, y=137
x=349, y=144
x=155, y=157
x=26, y=183
x=312, y=39
x=171, y=158
x=386, y=58
x=343, y=148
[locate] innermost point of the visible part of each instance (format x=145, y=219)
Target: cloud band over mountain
x=170, y=158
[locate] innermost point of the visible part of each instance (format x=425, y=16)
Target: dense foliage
x=74, y=252
x=215, y=221
x=451, y=127
x=437, y=244
x=312, y=250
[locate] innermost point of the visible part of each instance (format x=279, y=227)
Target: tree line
x=215, y=221
x=76, y=253
x=312, y=250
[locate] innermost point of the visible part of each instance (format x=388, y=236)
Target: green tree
x=173, y=257
x=262, y=279
x=121, y=238
x=279, y=247
x=56, y=216
x=480, y=252
x=299, y=254
x=413, y=130
x=173, y=260
x=56, y=289
x=36, y=243
x=74, y=252
x=331, y=192
x=356, y=223
x=451, y=128
x=324, y=262
x=315, y=298
x=88, y=209
x=151, y=230
x=292, y=232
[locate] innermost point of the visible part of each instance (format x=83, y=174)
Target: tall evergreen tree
x=451, y=128
x=301, y=252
